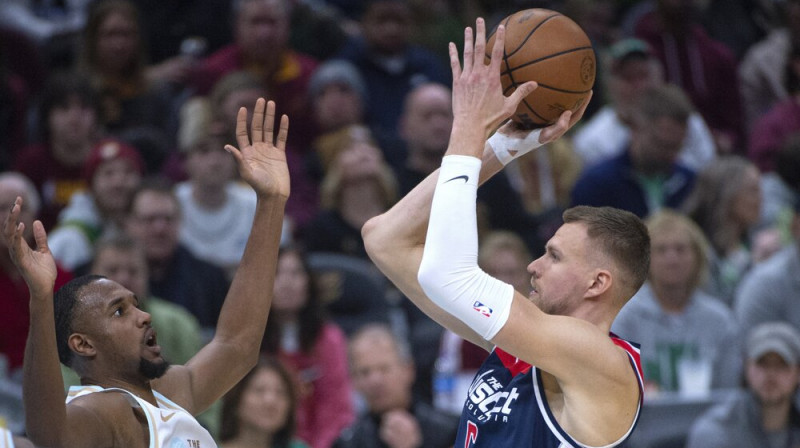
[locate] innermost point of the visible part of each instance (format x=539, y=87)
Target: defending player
x=130, y=396
x=555, y=376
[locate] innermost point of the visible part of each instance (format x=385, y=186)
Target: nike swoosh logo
x=167, y=418
x=463, y=176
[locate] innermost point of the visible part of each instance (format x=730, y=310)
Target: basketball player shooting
x=555, y=376
x=129, y=396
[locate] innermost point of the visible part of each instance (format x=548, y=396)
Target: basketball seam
x=525, y=101
x=556, y=89
x=530, y=33
x=505, y=60
x=550, y=56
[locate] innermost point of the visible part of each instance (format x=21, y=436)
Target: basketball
x=550, y=48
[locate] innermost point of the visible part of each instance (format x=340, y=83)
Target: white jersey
x=6, y=440
x=170, y=425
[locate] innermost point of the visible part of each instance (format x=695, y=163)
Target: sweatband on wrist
x=509, y=148
x=449, y=273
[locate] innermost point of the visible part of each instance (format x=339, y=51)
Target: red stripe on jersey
x=512, y=363
x=631, y=350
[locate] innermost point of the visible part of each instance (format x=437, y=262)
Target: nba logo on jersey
x=481, y=308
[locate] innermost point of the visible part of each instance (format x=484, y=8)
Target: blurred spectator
x=726, y=204
x=702, y=66
x=44, y=22
x=135, y=101
x=68, y=122
x=338, y=96
x=647, y=175
x=313, y=347
x=383, y=373
x=14, y=95
x=390, y=64
x=765, y=414
x=216, y=211
x=357, y=186
x=241, y=89
x=113, y=172
x=316, y=29
x=181, y=29
x=14, y=313
x=780, y=121
x=771, y=290
x=672, y=318
x=781, y=188
x=176, y=275
x=261, y=47
x=737, y=24
x=425, y=128
x=260, y=410
x=762, y=72
x=632, y=69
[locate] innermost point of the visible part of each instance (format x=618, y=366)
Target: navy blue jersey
x=506, y=405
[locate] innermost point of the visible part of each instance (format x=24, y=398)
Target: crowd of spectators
x=114, y=114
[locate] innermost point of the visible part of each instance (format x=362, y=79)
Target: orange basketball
x=547, y=47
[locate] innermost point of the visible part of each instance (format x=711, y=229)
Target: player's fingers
x=455, y=66
x=257, y=126
x=40, y=236
x=469, y=48
x=283, y=133
x=497, y=49
x=480, y=43
x=578, y=114
x=242, y=139
x=521, y=92
x=269, y=122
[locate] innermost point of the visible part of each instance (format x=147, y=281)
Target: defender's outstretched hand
x=36, y=266
x=262, y=163
x=477, y=93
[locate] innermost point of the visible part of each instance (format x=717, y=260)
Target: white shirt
x=605, y=136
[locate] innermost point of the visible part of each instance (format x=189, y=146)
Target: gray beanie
x=337, y=71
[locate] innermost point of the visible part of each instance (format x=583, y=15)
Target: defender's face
x=561, y=276
x=120, y=332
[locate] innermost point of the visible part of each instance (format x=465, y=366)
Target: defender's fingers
x=242, y=139
x=283, y=133
x=480, y=42
x=40, y=236
x=455, y=65
x=269, y=122
x=237, y=155
x=12, y=218
x=497, y=49
x=257, y=127
x=469, y=48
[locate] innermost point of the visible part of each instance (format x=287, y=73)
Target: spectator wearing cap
x=631, y=69
x=112, y=171
x=764, y=414
x=771, y=289
x=338, y=96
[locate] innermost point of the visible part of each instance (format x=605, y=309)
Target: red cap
x=111, y=149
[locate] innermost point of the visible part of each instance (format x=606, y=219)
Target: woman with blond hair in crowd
x=726, y=203
x=358, y=184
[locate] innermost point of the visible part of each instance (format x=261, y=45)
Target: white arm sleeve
x=449, y=273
